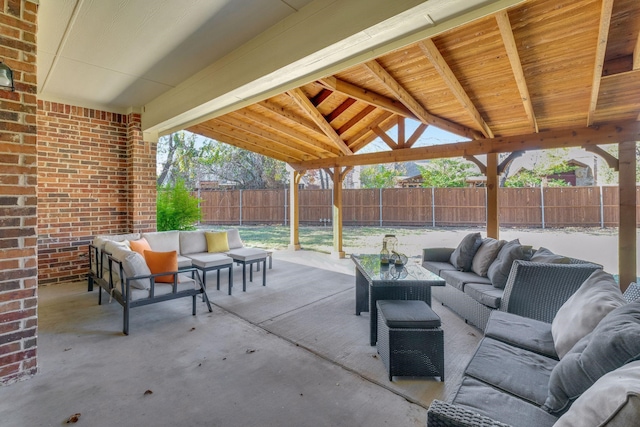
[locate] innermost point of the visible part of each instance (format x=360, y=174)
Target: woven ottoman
x=410, y=341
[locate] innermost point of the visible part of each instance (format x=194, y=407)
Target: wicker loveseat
x=474, y=297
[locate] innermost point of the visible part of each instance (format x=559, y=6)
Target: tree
x=450, y=172
x=190, y=158
x=552, y=162
x=379, y=176
x=247, y=169
x=176, y=209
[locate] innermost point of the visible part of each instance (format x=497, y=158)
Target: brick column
x=141, y=156
x=18, y=183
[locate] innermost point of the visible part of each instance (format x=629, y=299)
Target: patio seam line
x=321, y=356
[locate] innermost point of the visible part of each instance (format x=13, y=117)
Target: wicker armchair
x=538, y=290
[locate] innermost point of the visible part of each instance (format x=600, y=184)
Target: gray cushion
x=522, y=332
x=163, y=241
x=546, y=256
x=614, y=401
x=495, y=404
x=484, y=293
x=408, y=314
x=499, y=269
x=192, y=242
x=209, y=260
x=437, y=267
x=582, y=312
x=613, y=343
x=462, y=256
x=457, y=279
x=485, y=255
x=133, y=265
x=514, y=370
x=184, y=262
x=247, y=254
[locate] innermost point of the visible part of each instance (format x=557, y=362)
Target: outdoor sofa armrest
x=443, y=414
x=538, y=290
x=437, y=254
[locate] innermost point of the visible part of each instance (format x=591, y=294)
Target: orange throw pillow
x=160, y=262
x=140, y=245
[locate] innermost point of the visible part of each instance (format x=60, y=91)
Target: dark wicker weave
x=538, y=290
x=442, y=414
x=411, y=352
x=416, y=285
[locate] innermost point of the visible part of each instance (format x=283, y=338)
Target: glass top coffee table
x=375, y=281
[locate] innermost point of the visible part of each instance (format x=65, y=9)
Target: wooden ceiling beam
x=356, y=119
x=415, y=135
x=366, y=138
x=321, y=97
x=516, y=66
x=288, y=116
x=413, y=105
x=603, y=36
x=354, y=142
x=339, y=110
x=562, y=138
x=274, y=138
x=290, y=132
x=305, y=104
x=385, y=137
x=367, y=96
x=401, y=132
x=205, y=129
x=438, y=62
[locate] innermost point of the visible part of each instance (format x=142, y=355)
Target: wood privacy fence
x=458, y=207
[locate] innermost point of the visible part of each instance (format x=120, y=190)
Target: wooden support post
x=337, y=213
x=294, y=208
x=493, y=223
x=627, y=231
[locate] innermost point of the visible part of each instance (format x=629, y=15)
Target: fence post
x=542, y=204
x=433, y=207
x=601, y=209
x=285, y=207
x=240, y=207
x=380, y=205
x=199, y=204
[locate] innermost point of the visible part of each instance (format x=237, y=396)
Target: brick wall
x=95, y=176
x=82, y=185
x=18, y=185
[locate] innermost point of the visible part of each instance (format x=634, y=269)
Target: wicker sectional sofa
x=518, y=377
x=474, y=297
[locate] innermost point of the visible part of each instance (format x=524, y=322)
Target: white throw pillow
x=612, y=401
x=486, y=254
x=582, y=312
x=233, y=237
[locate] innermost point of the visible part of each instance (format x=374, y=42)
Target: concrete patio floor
x=292, y=353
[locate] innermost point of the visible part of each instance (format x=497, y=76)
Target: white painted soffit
x=321, y=39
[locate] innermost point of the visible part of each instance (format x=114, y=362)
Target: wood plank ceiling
x=552, y=68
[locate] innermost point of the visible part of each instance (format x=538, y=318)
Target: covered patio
x=291, y=353
x=308, y=82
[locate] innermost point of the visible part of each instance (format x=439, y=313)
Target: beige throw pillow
x=486, y=254
x=582, y=312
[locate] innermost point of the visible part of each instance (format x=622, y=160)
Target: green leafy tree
x=379, y=176
x=552, y=163
x=176, y=208
x=450, y=172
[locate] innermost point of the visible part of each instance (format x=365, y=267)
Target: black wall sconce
x=6, y=77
